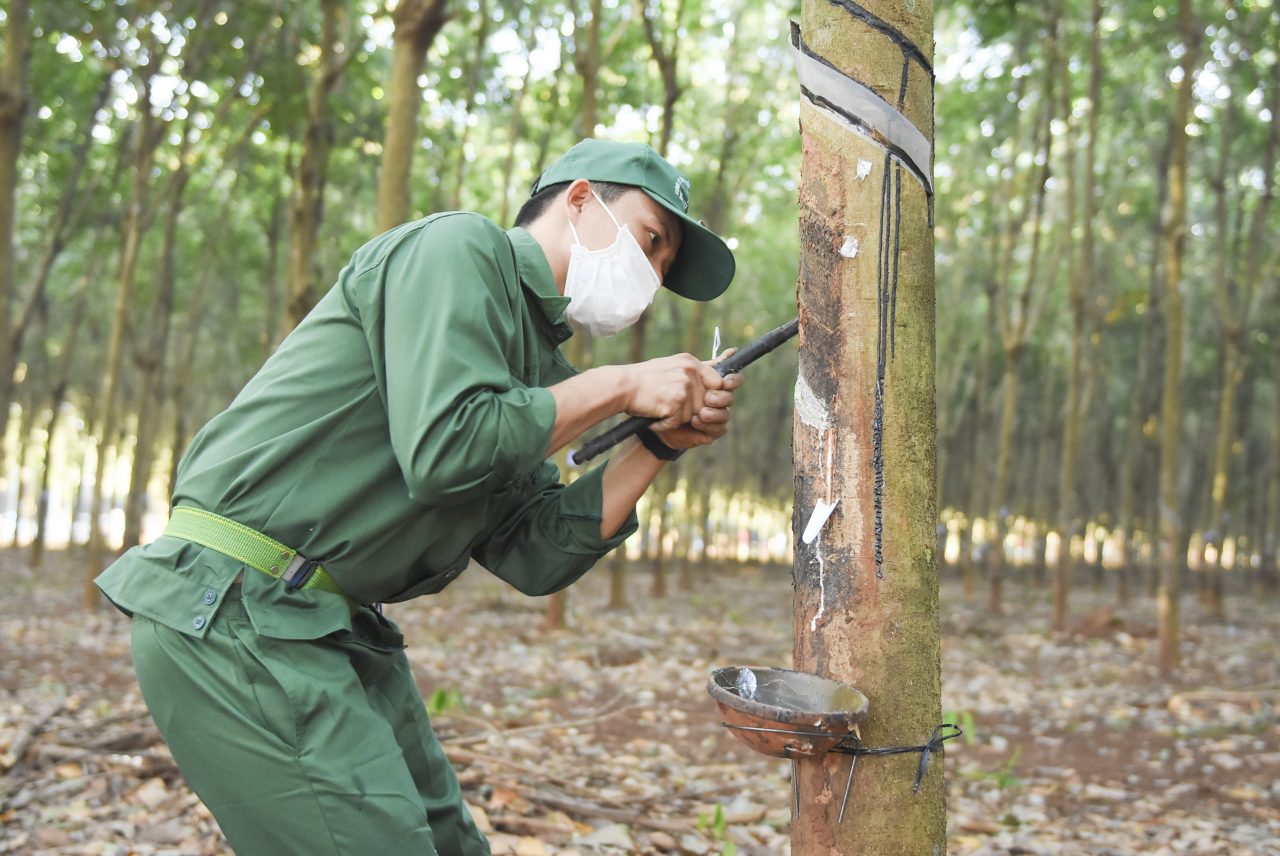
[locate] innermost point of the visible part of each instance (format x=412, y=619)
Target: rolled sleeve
x=462, y=425
x=553, y=538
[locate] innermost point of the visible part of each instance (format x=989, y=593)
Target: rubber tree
x=147, y=135
x=14, y=66
x=866, y=587
x=306, y=209
x=1078, y=286
x=586, y=57
x=1235, y=298
x=1018, y=309
x=1174, y=242
x=416, y=24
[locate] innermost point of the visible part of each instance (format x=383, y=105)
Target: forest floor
x=602, y=739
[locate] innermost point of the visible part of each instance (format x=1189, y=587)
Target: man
x=402, y=430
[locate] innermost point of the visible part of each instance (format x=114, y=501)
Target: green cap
x=704, y=266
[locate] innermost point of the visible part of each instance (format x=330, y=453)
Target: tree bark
x=586, y=57
x=147, y=135
x=57, y=397
x=14, y=98
x=473, y=87
x=515, y=128
x=1174, y=240
x=1078, y=296
x=866, y=590
x=1235, y=305
x=417, y=22
x=307, y=208
x=1017, y=317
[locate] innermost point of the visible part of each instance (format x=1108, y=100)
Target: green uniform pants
x=304, y=747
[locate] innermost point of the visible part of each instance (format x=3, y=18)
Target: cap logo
x=682, y=192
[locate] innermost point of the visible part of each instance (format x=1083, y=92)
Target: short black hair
x=536, y=204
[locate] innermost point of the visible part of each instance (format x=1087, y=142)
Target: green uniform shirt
x=397, y=433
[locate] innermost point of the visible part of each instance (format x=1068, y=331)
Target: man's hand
x=673, y=390
x=709, y=424
x=702, y=414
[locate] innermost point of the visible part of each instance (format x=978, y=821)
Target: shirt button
x=209, y=597
x=199, y=622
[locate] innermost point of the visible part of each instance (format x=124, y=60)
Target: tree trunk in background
x=586, y=58
x=872, y=624
x=481, y=38
x=1140, y=408
x=14, y=98
x=1016, y=317
x=1235, y=304
x=1078, y=296
x=515, y=129
x=1171, y=397
x=307, y=208
x=417, y=23
x=1229, y=355
x=667, y=58
x=1271, y=537
x=147, y=134
x=152, y=356
x=24, y=454
x=57, y=396
x=659, y=590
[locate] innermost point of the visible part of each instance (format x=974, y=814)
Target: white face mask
x=608, y=289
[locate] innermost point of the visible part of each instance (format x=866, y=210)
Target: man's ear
x=575, y=197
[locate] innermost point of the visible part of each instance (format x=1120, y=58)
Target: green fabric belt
x=250, y=547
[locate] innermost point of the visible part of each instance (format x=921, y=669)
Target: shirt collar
x=540, y=286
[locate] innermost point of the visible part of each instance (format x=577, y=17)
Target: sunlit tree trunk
x=14, y=97
x=1271, y=533
x=1235, y=304
x=1171, y=397
x=659, y=589
x=586, y=58
x=416, y=24
x=1078, y=285
x=866, y=589
x=307, y=207
x=57, y=397
x=1017, y=317
x=480, y=39
x=152, y=354
x=515, y=127
x=147, y=133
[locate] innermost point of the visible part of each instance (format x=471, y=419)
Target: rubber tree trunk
x=1141, y=406
x=13, y=111
x=147, y=137
x=866, y=590
x=479, y=41
x=1078, y=291
x=307, y=207
x=587, y=59
x=417, y=23
x=1017, y=317
x=1235, y=301
x=1170, y=520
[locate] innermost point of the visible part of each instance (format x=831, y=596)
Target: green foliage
x=1003, y=776
x=964, y=720
x=717, y=826
x=444, y=699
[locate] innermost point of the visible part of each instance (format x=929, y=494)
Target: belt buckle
x=299, y=570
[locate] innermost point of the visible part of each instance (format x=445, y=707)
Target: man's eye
x=653, y=238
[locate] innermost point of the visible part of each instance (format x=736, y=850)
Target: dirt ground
x=601, y=739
